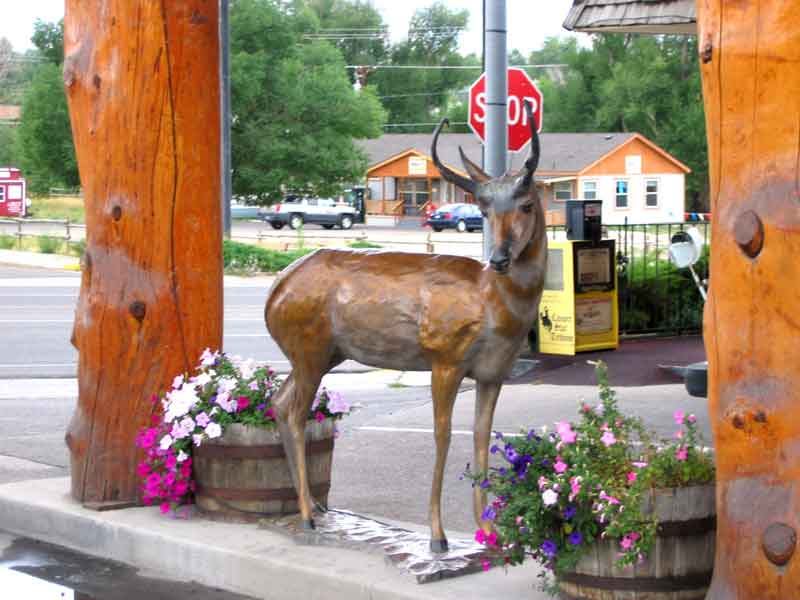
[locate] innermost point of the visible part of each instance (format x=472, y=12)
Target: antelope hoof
x=308, y=525
x=439, y=546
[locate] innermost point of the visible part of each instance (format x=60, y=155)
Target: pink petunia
x=164, y=507
x=565, y=432
x=242, y=402
x=678, y=417
x=631, y=477
x=560, y=466
x=639, y=465
x=143, y=469
x=319, y=417
x=691, y=419
x=491, y=539
x=608, y=439
x=681, y=453
x=486, y=564
x=480, y=536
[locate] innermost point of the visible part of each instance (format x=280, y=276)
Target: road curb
x=238, y=558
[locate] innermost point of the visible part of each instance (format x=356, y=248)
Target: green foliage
x=363, y=244
x=49, y=40
x=657, y=295
x=9, y=152
x=349, y=17
x=244, y=257
x=559, y=492
x=61, y=207
x=646, y=84
x=414, y=96
x=78, y=248
x=296, y=111
x=49, y=244
x=7, y=242
x=45, y=136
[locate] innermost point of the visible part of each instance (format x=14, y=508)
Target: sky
x=529, y=22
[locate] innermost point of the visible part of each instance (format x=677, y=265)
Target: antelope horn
x=533, y=159
x=464, y=183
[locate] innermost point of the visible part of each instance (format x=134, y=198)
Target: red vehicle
x=12, y=192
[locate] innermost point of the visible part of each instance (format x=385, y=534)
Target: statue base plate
x=407, y=550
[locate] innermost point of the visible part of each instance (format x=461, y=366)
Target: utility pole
x=496, y=60
x=225, y=114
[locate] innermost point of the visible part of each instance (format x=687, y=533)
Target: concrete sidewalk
x=239, y=558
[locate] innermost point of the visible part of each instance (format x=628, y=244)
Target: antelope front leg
x=485, y=403
x=444, y=387
x=293, y=403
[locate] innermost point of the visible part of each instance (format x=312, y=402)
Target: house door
x=414, y=193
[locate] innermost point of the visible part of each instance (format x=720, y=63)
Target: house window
x=563, y=190
x=651, y=193
x=2, y=193
x=590, y=190
x=621, y=193
x=374, y=189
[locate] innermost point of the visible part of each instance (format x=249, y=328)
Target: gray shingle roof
x=643, y=16
x=561, y=152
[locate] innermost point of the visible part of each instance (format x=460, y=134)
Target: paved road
x=383, y=459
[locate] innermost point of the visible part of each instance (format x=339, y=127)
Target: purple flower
x=485, y=484
x=489, y=514
x=569, y=512
x=494, y=449
x=511, y=454
x=546, y=462
x=549, y=548
x=575, y=538
x=498, y=435
x=261, y=407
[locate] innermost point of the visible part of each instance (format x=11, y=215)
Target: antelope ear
x=475, y=172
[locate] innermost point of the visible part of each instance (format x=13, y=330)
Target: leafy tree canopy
x=49, y=40
x=44, y=134
x=295, y=112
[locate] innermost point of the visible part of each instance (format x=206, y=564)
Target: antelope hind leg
x=486, y=395
x=444, y=387
x=291, y=412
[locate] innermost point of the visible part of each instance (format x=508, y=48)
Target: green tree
x=355, y=27
x=8, y=146
x=423, y=95
x=650, y=85
x=295, y=112
x=45, y=138
x=49, y=40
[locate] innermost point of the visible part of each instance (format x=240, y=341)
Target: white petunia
x=213, y=430
x=549, y=497
x=182, y=456
x=165, y=442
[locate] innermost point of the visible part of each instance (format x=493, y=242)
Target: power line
x=423, y=124
x=468, y=67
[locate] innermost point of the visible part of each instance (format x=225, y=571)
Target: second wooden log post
x=142, y=81
x=749, y=55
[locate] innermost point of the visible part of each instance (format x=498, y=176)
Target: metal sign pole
x=496, y=58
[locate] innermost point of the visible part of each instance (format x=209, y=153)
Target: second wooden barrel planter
x=679, y=566
x=244, y=475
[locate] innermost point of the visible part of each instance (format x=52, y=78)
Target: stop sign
x=520, y=89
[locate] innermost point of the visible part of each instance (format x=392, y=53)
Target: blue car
x=461, y=217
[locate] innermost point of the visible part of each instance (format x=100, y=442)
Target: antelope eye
x=526, y=208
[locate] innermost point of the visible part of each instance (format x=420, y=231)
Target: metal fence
x=654, y=296
x=62, y=230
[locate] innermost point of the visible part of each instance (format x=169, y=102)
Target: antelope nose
x=500, y=262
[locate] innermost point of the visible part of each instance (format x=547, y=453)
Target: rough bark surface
x=750, y=61
x=142, y=80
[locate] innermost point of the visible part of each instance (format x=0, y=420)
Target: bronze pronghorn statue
x=451, y=315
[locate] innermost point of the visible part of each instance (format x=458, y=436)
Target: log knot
x=138, y=310
x=778, y=542
x=749, y=233
x=116, y=212
x=707, y=53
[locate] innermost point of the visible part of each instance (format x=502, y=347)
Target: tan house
x=635, y=178
x=636, y=16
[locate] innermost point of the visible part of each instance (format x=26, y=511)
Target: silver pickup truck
x=296, y=212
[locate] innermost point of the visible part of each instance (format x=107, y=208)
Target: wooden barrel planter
x=679, y=566
x=243, y=475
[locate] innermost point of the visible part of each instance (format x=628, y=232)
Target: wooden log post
x=142, y=80
x=750, y=61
